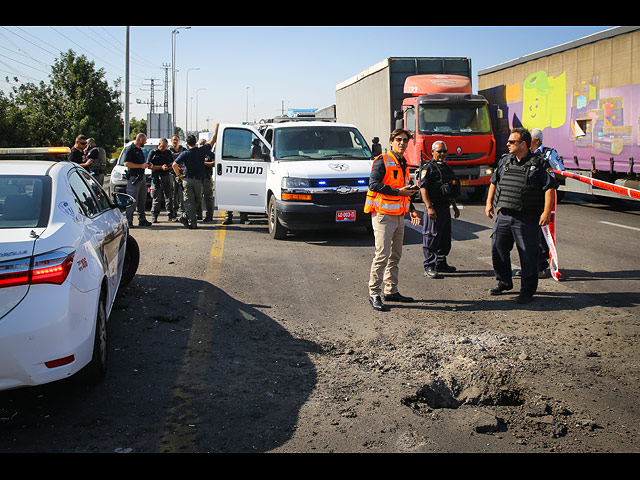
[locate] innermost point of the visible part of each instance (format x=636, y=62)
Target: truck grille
x=463, y=157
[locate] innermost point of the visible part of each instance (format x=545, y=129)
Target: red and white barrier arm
x=626, y=191
x=549, y=234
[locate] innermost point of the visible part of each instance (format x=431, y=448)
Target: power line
x=29, y=41
x=82, y=48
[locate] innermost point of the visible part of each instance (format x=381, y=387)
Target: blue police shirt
x=193, y=161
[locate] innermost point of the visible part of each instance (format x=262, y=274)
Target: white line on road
x=621, y=226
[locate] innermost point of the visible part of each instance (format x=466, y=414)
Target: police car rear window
x=24, y=201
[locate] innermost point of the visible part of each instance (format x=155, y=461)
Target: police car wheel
x=276, y=230
x=131, y=261
x=95, y=370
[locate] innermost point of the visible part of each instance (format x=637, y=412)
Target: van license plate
x=346, y=216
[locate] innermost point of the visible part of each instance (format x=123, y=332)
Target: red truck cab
x=442, y=107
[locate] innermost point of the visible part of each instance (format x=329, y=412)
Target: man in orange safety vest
x=388, y=200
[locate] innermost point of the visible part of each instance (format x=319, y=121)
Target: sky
x=232, y=74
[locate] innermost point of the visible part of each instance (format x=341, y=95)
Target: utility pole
x=166, y=86
x=126, y=88
x=166, y=67
x=151, y=102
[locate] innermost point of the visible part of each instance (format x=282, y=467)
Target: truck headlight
x=116, y=175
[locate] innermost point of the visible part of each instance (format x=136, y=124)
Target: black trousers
x=436, y=237
x=522, y=229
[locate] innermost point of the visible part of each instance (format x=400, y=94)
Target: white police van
x=304, y=175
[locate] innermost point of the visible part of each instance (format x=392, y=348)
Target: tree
x=136, y=127
x=78, y=100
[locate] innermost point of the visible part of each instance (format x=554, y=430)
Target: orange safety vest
x=395, y=178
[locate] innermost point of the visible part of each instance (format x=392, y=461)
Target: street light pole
x=197, y=92
x=186, y=110
x=247, y=116
x=174, y=32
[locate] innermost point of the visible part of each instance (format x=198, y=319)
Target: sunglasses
x=401, y=140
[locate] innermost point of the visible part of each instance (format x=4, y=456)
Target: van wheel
x=131, y=261
x=276, y=230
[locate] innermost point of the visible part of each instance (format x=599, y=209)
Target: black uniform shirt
x=160, y=157
x=135, y=155
x=76, y=156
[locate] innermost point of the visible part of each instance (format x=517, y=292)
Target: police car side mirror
x=122, y=200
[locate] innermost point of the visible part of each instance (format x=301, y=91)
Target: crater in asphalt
x=454, y=392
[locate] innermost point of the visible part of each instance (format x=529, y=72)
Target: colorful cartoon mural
x=592, y=120
x=544, y=101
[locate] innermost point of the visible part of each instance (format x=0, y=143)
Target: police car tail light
x=52, y=267
x=14, y=272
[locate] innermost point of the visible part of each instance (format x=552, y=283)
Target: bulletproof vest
x=101, y=163
x=515, y=193
x=446, y=186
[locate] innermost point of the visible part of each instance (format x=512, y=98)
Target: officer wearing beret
x=521, y=194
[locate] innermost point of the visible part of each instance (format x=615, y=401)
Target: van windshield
x=319, y=143
x=24, y=201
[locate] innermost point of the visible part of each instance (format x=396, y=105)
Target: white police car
x=64, y=252
x=118, y=178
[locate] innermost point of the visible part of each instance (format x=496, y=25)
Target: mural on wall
x=598, y=123
x=584, y=107
x=544, y=100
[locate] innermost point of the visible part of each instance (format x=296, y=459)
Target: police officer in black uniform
x=161, y=165
x=521, y=192
x=438, y=188
x=98, y=158
x=178, y=206
x=136, y=164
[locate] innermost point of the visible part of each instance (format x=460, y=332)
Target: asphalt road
x=217, y=345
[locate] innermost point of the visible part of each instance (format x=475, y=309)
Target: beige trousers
x=389, y=235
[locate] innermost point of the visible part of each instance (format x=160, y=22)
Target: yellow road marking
x=182, y=423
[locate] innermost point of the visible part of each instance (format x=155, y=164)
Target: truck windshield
x=317, y=143
x=454, y=119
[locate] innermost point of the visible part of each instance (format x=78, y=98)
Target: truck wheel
x=276, y=230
